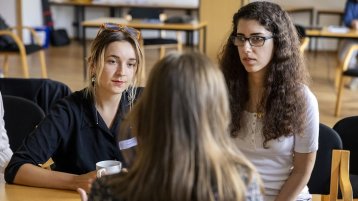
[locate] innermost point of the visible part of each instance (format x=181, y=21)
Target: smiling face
x=254, y=59
x=120, y=65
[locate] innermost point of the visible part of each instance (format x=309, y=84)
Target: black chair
x=11, y=43
x=44, y=92
x=21, y=116
x=325, y=175
x=155, y=15
x=301, y=31
x=347, y=128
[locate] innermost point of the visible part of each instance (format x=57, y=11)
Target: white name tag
x=126, y=144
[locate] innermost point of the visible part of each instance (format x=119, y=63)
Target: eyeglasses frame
x=122, y=28
x=233, y=38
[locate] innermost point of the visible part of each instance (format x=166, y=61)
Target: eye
x=111, y=61
x=240, y=38
x=257, y=39
x=132, y=64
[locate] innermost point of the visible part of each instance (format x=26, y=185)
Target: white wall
x=7, y=11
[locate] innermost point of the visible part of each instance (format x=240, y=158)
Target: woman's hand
x=85, y=181
x=355, y=24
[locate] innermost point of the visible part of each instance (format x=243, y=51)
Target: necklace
x=260, y=115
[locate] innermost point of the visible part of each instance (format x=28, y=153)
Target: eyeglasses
x=122, y=28
x=255, y=41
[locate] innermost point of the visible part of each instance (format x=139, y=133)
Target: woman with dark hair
x=81, y=129
x=275, y=116
x=184, y=150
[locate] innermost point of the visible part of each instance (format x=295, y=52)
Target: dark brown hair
x=282, y=102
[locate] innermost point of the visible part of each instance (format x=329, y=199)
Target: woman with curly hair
x=275, y=116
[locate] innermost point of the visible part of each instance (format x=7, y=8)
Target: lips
x=118, y=82
x=248, y=60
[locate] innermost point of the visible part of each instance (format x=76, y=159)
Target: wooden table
x=12, y=192
x=325, y=33
x=194, y=26
x=116, y=7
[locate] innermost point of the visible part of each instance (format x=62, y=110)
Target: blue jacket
x=350, y=12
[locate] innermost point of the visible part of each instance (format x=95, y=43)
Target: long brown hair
x=283, y=100
x=182, y=125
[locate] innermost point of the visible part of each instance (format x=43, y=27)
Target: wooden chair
x=331, y=168
x=19, y=48
x=342, y=72
x=304, y=44
x=347, y=129
x=301, y=31
x=155, y=15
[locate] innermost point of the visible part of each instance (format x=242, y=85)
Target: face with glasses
x=255, y=45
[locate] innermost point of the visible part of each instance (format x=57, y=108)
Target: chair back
x=21, y=116
x=329, y=140
x=301, y=31
x=11, y=44
x=44, y=92
x=5, y=41
x=342, y=71
x=347, y=129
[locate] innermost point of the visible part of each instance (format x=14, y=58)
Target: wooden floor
x=65, y=65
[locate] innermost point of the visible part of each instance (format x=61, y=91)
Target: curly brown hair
x=283, y=100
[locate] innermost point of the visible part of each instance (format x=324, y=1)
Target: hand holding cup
x=108, y=167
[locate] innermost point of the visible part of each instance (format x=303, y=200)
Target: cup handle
x=100, y=172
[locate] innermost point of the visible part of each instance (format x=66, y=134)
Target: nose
x=247, y=46
x=120, y=69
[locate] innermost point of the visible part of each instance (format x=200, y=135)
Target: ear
x=92, y=70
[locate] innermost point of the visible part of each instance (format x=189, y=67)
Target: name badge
x=126, y=144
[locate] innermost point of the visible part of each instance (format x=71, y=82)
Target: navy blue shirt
x=74, y=135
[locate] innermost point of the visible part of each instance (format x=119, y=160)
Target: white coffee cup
x=108, y=167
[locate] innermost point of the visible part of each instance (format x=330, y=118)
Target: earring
x=93, y=80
